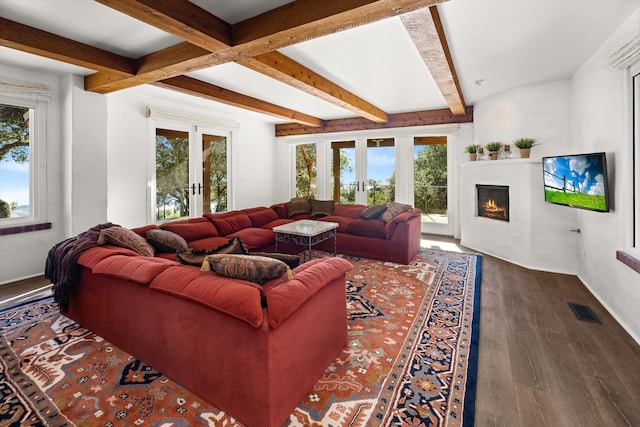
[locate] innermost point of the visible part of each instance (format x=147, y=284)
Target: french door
x=191, y=171
x=363, y=171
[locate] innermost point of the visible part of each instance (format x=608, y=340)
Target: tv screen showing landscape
x=578, y=181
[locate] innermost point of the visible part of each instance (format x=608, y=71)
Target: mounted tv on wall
x=579, y=181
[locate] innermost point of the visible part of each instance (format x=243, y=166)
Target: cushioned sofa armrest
x=93, y=256
x=287, y=297
x=411, y=214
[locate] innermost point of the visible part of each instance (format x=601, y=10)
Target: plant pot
x=493, y=155
x=524, y=153
x=473, y=157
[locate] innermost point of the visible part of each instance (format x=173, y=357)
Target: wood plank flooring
x=538, y=364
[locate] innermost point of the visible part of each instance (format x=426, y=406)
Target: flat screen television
x=577, y=180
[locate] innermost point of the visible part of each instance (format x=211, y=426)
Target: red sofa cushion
x=232, y=224
x=192, y=230
x=343, y=222
x=238, y=298
x=348, y=211
x=262, y=217
x=134, y=268
x=93, y=256
x=255, y=237
x=277, y=222
x=142, y=231
x=368, y=228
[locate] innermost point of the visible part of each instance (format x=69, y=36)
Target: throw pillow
x=393, y=210
x=291, y=260
x=373, y=211
x=255, y=269
x=196, y=257
x=297, y=205
x=166, y=241
x=125, y=238
x=320, y=208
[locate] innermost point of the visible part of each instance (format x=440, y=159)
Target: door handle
x=199, y=188
x=358, y=185
x=193, y=189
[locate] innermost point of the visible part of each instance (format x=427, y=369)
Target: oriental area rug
x=411, y=360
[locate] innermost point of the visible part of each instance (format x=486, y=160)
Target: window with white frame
x=635, y=157
x=22, y=153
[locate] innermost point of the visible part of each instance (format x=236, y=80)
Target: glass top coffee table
x=306, y=233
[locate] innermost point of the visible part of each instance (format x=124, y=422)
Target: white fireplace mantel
x=538, y=235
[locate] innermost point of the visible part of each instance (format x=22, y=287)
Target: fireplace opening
x=493, y=201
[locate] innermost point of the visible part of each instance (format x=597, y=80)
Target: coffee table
x=306, y=233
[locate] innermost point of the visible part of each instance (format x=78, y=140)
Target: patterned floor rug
x=411, y=360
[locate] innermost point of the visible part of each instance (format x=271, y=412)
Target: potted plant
x=525, y=144
x=472, y=150
x=493, y=148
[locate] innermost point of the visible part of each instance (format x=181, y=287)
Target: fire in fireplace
x=493, y=201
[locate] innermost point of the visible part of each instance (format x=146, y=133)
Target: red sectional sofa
x=397, y=240
x=253, y=351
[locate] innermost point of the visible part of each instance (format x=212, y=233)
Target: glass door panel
x=380, y=185
x=214, y=173
x=306, y=170
x=431, y=193
x=172, y=174
x=343, y=168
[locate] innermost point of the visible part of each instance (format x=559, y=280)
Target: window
x=22, y=156
x=306, y=170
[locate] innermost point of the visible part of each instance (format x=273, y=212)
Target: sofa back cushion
x=348, y=211
x=238, y=298
x=192, y=230
x=262, y=217
x=231, y=224
x=368, y=228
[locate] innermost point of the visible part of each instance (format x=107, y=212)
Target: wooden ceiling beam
x=284, y=69
x=191, y=23
x=426, y=30
x=180, y=18
x=284, y=26
x=32, y=40
x=202, y=89
x=418, y=118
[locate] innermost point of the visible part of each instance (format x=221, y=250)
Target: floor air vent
x=583, y=312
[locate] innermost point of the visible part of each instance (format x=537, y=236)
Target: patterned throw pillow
x=166, y=241
x=297, y=205
x=373, y=211
x=393, y=210
x=196, y=257
x=255, y=269
x=320, y=208
x=125, y=238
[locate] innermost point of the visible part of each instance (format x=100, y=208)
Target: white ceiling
x=506, y=43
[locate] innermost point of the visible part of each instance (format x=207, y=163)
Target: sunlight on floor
x=437, y=244
x=26, y=296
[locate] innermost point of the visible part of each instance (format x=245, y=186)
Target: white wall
x=23, y=255
x=599, y=107
x=128, y=152
x=538, y=235
x=540, y=111
x=97, y=162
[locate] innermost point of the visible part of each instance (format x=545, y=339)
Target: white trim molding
x=164, y=114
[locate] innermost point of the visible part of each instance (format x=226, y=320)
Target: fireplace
x=493, y=201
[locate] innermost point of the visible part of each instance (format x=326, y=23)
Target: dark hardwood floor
x=538, y=364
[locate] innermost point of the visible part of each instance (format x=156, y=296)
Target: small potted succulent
x=524, y=145
x=472, y=150
x=493, y=148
